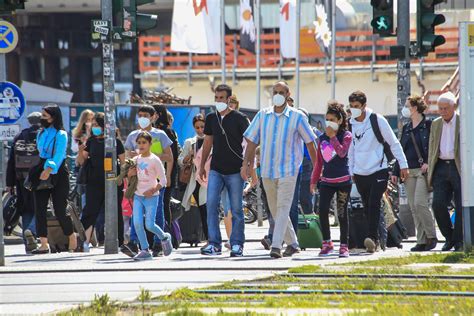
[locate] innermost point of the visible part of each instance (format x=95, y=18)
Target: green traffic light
x=382, y=23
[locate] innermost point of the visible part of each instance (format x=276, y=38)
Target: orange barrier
x=352, y=48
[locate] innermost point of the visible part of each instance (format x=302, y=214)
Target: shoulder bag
x=33, y=181
x=420, y=159
x=186, y=171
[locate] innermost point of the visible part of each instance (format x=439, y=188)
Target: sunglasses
x=199, y=127
x=142, y=142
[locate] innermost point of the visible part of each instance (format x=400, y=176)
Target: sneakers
x=343, y=251
x=237, y=251
x=167, y=245
x=210, y=250
x=275, y=253
x=290, y=251
x=130, y=249
x=143, y=255
x=266, y=243
x=30, y=241
x=327, y=248
x=370, y=245
x=86, y=247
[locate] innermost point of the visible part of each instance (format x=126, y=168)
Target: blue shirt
x=52, y=146
x=281, y=137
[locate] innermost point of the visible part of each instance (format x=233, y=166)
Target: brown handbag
x=186, y=171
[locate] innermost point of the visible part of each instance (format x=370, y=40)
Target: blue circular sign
x=8, y=37
x=12, y=103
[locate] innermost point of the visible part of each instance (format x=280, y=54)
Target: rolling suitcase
x=11, y=214
x=309, y=231
x=191, y=227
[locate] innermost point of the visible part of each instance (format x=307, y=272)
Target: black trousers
x=95, y=202
x=166, y=204
x=58, y=195
x=371, y=189
x=326, y=194
x=202, y=210
x=446, y=185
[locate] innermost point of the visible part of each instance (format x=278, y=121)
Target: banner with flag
x=247, y=26
x=196, y=26
x=288, y=28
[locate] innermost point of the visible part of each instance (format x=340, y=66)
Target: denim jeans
x=160, y=218
x=234, y=185
x=225, y=200
x=148, y=206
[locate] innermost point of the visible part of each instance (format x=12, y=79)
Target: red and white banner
x=288, y=28
x=196, y=26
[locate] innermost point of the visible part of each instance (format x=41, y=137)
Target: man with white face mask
x=161, y=146
x=281, y=132
x=224, y=130
x=373, y=144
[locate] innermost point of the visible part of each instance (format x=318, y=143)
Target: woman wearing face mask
x=331, y=170
x=52, y=146
x=93, y=153
x=415, y=142
x=194, y=189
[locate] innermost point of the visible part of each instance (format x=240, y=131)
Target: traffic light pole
x=110, y=158
x=3, y=158
x=403, y=64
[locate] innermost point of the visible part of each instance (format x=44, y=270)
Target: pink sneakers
x=343, y=251
x=327, y=248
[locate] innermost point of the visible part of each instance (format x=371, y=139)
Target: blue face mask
x=96, y=131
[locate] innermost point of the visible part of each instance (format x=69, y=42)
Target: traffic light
x=382, y=21
x=426, y=20
x=8, y=6
x=128, y=22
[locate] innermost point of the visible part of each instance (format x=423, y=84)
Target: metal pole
x=333, y=49
x=3, y=163
x=110, y=158
x=403, y=65
x=297, y=63
x=223, y=40
x=256, y=11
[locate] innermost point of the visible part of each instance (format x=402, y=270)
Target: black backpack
x=26, y=153
x=386, y=147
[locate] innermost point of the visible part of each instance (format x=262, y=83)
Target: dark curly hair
x=419, y=102
x=337, y=109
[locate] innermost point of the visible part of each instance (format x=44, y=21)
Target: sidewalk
x=42, y=284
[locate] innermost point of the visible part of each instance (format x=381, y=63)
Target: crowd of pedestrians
x=278, y=150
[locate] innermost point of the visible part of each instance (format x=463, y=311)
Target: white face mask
x=332, y=125
x=355, y=113
x=278, y=100
x=144, y=122
x=406, y=112
x=220, y=106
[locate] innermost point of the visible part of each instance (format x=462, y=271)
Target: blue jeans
x=225, y=200
x=160, y=219
x=148, y=206
x=234, y=185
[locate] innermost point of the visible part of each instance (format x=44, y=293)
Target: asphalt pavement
x=48, y=283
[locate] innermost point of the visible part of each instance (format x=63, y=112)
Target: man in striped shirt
x=281, y=132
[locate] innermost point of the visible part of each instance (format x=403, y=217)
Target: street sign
x=12, y=103
x=8, y=37
x=8, y=132
x=100, y=30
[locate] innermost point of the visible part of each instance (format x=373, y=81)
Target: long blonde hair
x=78, y=132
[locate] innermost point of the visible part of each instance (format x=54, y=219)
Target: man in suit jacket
x=444, y=171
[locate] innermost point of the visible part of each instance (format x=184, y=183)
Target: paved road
x=42, y=284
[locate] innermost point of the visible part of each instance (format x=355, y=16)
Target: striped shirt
x=281, y=137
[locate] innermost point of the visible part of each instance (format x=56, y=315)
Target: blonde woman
x=81, y=133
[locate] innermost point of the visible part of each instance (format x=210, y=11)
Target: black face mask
x=45, y=123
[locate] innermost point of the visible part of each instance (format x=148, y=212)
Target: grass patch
x=451, y=258
x=306, y=269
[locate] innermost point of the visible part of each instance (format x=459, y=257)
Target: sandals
x=39, y=251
